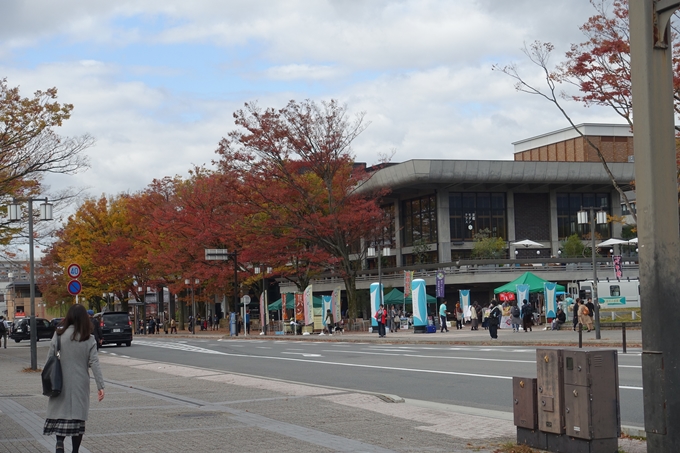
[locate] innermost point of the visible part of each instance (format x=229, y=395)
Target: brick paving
x=159, y=407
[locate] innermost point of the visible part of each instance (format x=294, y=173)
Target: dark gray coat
x=76, y=358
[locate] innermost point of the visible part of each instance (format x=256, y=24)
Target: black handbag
x=52, y=379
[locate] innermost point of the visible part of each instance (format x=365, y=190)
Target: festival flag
x=439, y=283
x=618, y=268
x=299, y=307
x=408, y=278
x=336, y=304
x=308, y=298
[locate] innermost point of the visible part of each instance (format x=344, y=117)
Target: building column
x=397, y=233
x=443, y=227
x=510, y=212
x=554, y=233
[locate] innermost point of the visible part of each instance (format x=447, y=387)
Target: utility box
x=550, y=386
x=525, y=408
x=591, y=394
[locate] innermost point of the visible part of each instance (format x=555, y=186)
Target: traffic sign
x=74, y=287
x=74, y=270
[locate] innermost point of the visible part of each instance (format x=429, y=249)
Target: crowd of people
x=522, y=316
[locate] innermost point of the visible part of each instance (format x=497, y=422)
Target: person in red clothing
x=381, y=317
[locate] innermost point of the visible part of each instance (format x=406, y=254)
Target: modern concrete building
x=438, y=206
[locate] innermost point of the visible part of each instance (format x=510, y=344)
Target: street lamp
x=191, y=282
x=599, y=218
x=371, y=252
x=15, y=215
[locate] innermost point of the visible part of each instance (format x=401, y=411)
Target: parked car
x=55, y=322
x=116, y=327
x=21, y=329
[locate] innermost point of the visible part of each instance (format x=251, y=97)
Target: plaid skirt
x=63, y=427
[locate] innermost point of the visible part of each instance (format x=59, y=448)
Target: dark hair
x=78, y=318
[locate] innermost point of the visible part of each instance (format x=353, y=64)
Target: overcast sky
x=156, y=81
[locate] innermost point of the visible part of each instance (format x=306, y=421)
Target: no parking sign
x=74, y=287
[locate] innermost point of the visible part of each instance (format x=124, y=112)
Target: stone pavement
x=160, y=407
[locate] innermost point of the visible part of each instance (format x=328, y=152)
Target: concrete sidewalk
x=160, y=407
x=506, y=337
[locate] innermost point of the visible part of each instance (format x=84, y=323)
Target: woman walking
x=67, y=412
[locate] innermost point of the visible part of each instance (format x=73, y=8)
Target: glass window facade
x=568, y=204
x=471, y=212
x=419, y=220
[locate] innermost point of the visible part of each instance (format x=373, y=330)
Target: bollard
x=580, y=335
x=623, y=332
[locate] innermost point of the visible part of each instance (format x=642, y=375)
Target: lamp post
x=15, y=215
x=371, y=252
x=599, y=218
x=191, y=281
x=140, y=290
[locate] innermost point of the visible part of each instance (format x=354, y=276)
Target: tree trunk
x=350, y=287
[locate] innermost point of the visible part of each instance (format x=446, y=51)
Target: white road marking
x=439, y=357
x=303, y=354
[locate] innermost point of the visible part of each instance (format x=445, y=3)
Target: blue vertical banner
x=440, y=284
x=326, y=303
x=419, y=298
x=550, y=299
x=375, y=302
x=464, y=296
x=522, y=293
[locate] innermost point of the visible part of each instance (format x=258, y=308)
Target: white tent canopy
x=612, y=241
x=528, y=243
x=633, y=241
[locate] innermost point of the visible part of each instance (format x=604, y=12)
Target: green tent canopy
x=396, y=297
x=290, y=302
x=535, y=284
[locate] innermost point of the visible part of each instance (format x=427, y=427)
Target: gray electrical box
x=550, y=385
x=524, y=402
x=591, y=393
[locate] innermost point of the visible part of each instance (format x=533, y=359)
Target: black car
x=116, y=328
x=21, y=329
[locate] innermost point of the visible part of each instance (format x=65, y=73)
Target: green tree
x=572, y=247
x=487, y=247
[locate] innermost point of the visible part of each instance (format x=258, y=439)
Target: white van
x=614, y=293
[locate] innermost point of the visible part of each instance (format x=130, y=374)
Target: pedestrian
x=527, y=313
x=381, y=317
x=96, y=329
x=584, y=316
x=329, y=322
x=442, y=317
x=516, y=317
x=152, y=325
x=247, y=321
x=459, y=317
x=173, y=326
x=166, y=325
x=68, y=411
x=474, y=317
x=591, y=309
x=216, y=323
x=394, y=323
x=494, y=319
x=158, y=326
x=559, y=320
x=574, y=311
x=3, y=331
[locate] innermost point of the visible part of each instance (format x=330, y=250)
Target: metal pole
x=657, y=223
x=193, y=309
x=235, y=281
x=580, y=335
x=596, y=305
x=623, y=333
x=33, y=324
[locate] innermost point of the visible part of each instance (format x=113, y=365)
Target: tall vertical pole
x=33, y=323
x=596, y=305
x=236, y=281
x=657, y=215
x=193, y=308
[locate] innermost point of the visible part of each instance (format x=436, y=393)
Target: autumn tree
x=30, y=146
x=297, y=169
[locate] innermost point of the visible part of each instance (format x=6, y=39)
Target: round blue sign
x=74, y=287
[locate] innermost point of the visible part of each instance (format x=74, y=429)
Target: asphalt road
x=473, y=376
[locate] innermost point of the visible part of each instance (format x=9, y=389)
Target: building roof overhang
x=490, y=175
